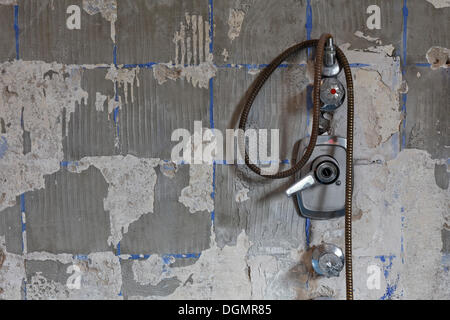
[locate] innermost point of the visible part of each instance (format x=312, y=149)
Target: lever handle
x=308, y=181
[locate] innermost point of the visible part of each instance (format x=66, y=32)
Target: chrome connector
x=331, y=66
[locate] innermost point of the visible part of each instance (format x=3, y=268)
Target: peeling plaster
x=276, y=272
x=8, y=2
x=377, y=111
x=253, y=71
x=359, y=34
x=168, y=168
x=217, y=274
x=198, y=195
x=150, y=271
x=64, y=258
x=42, y=91
x=108, y=10
x=262, y=270
x=100, y=275
x=378, y=114
x=225, y=55
x=235, y=19
x=125, y=78
x=399, y=226
x=12, y=273
x=131, y=183
x=112, y=104
x=398, y=208
x=242, y=189
x=193, y=61
x=438, y=57
x=438, y=4
x=197, y=75
x=163, y=72
x=100, y=101
x=41, y=288
x=234, y=272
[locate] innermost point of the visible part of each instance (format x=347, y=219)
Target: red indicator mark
x=333, y=91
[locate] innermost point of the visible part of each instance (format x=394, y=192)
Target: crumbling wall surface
x=93, y=207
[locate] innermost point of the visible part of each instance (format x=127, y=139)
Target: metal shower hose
x=259, y=82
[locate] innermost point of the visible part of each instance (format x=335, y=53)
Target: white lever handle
x=307, y=182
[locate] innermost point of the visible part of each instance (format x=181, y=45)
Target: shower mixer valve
x=320, y=189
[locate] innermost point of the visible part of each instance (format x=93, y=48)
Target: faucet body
x=320, y=190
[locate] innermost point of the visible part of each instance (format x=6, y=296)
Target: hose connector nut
x=331, y=66
x=328, y=260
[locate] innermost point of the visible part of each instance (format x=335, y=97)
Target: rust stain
x=357, y=216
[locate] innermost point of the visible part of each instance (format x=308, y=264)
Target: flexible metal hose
x=259, y=82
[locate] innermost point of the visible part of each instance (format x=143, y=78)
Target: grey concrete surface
x=132, y=288
x=189, y=232
x=427, y=27
x=44, y=35
x=86, y=118
x=148, y=36
x=342, y=18
x=7, y=36
x=427, y=118
x=441, y=175
x=266, y=218
x=159, y=109
x=68, y=216
x=279, y=25
x=276, y=107
x=11, y=228
x=90, y=132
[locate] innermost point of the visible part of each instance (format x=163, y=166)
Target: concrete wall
x=92, y=207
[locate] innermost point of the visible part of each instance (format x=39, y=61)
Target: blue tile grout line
x=211, y=26
x=16, y=29
x=116, y=122
x=392, y=287
x=166, y=256
x=249, y=66
x=404, y=64
x=211, y=101
x=115, y=55
x=308, y=24
x=405, y=29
